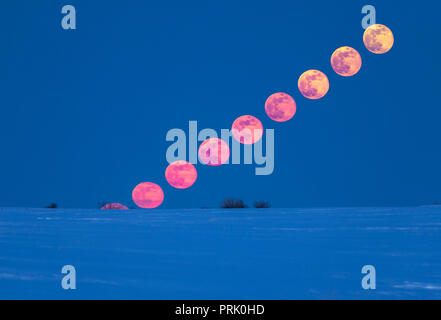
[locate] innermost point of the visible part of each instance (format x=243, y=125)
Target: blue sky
x=84, y=113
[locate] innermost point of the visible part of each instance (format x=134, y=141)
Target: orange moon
x=181, y=174
x=346, y=61
x=280, y=107
x=214, y=152
x=148, y=195
x=114, y=206
x=378, y=39
x=313, y=84
x=247, y=129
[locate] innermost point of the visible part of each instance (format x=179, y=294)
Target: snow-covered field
x=221, y=254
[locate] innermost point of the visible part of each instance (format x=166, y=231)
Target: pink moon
x=247, y=129
x=280, y=107
x=148, y=195
x=114, y=206
x=214, y=152
x=181, y=174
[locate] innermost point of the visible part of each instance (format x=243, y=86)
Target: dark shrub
x=262, y=204
x=231, y=203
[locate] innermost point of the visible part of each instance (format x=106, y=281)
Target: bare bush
x=262, y=204
x=232, y=203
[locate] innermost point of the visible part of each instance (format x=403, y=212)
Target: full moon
x=214, y=152
x=181, y=174
x=148, y=195
x=346, y=61
x=378, y=39
x=313, y=84
x=247, y=129
x=114, y=206
x=280, y=107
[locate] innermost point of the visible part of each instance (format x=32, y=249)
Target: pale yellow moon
x=313, y=84
x=378, y=39
x=346, y=61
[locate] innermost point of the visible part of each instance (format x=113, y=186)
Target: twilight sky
x=84, y=113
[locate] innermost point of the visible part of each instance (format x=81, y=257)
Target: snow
x=221, y=254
